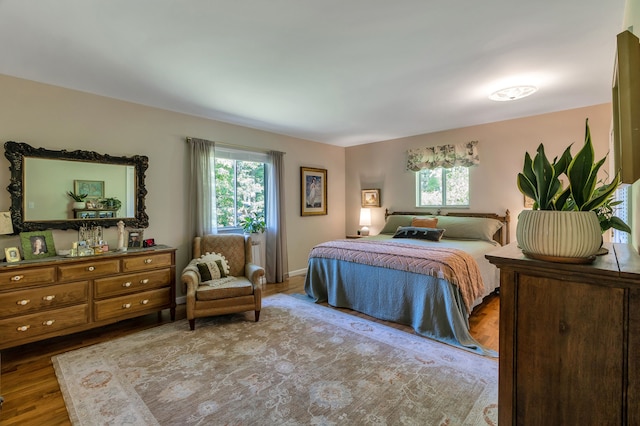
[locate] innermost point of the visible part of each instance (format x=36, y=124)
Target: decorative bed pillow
x=431, y=234
x=394, y=221
x=469, y=228
x=422, y=222
x=212, y=266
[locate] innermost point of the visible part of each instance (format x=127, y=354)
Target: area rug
x=301, y=364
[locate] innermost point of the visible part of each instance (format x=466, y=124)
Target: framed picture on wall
x=370, y=198
x=313, y=191
x=93, y=188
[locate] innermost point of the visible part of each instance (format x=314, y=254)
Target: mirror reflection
x=47, y=183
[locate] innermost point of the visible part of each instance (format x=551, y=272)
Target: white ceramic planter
x=559, y=234
x=79, y=204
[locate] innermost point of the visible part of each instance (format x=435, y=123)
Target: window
x=240, y=185
x=443, y=187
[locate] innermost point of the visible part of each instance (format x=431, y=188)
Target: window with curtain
x=240, y=185
x=442, y=174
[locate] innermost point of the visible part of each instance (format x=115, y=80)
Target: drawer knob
x=126, y=306
x=147, y=261
x=17, y=277
x=127, y=284
x=49, y=298
x=144, y=281
x=23, y=328
x=91, y=268
x=23, y=302
x=48, y=323
x=144, y=302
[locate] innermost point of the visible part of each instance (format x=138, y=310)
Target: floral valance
x=447, y=156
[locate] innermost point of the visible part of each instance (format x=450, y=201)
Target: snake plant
x=540, y=180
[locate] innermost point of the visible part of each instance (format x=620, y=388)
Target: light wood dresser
x=56, y=296
x=569, y=339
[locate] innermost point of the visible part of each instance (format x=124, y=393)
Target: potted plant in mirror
x=253, y=223
x=566, y=224
x=78, y=199
x=111, y=203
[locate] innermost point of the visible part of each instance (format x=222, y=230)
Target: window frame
x=443, y=188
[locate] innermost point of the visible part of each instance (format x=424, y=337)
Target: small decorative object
x=149, y=242
x=135, y=238
x=6, y=224
x=121, y=245
x=12, y=254
x=93, y=188
x=253, y=223
x=566, y=224
x=90, y=236
x=37, y=244
x=370, y=198
x=313, y=191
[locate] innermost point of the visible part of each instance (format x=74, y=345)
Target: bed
x=428, y=277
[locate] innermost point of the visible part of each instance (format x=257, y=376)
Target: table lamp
x=365, y=221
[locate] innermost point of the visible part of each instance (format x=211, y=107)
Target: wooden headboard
x=502, y=235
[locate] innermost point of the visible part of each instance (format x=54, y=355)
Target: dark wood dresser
x=569, y=339
x=59, y=295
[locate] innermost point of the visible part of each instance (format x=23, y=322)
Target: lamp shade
x=365, y=217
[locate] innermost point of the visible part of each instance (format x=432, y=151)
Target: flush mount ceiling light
x=512, y=93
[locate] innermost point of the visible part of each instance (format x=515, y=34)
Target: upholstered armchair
x=222, y=278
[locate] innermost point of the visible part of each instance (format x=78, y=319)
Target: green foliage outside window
x=239, y=191
x=442, y=187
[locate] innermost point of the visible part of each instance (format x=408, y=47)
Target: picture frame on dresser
x=12, y=254
x=37, y=244
x=135, y=238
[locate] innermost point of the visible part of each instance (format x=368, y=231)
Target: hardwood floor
x=30, y=388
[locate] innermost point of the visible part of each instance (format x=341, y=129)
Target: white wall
x=57, y=118
x=502, y=146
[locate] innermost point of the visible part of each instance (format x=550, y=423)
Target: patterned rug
x=301, y=364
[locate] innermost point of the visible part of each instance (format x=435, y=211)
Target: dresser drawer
x=27, y=326
x=129, y=305
x=22, y=277
x=30, y=300
x=89, y=270
x=147, y=280
x=148, y=261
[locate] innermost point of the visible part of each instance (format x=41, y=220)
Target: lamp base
x=364, y=231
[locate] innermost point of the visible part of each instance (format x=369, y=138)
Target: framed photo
x=135, y=238
x=370, y=198
x=93, y=188
x=37, y=244
x=12, y=254
x=313, y=191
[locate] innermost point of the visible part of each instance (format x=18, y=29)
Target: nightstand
x=353, y=237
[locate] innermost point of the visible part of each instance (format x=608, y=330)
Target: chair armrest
x=190, y=281
x=253, y=272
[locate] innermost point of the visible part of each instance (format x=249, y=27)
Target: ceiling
x=341, y=72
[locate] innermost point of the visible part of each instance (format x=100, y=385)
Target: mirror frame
x=16, y=152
